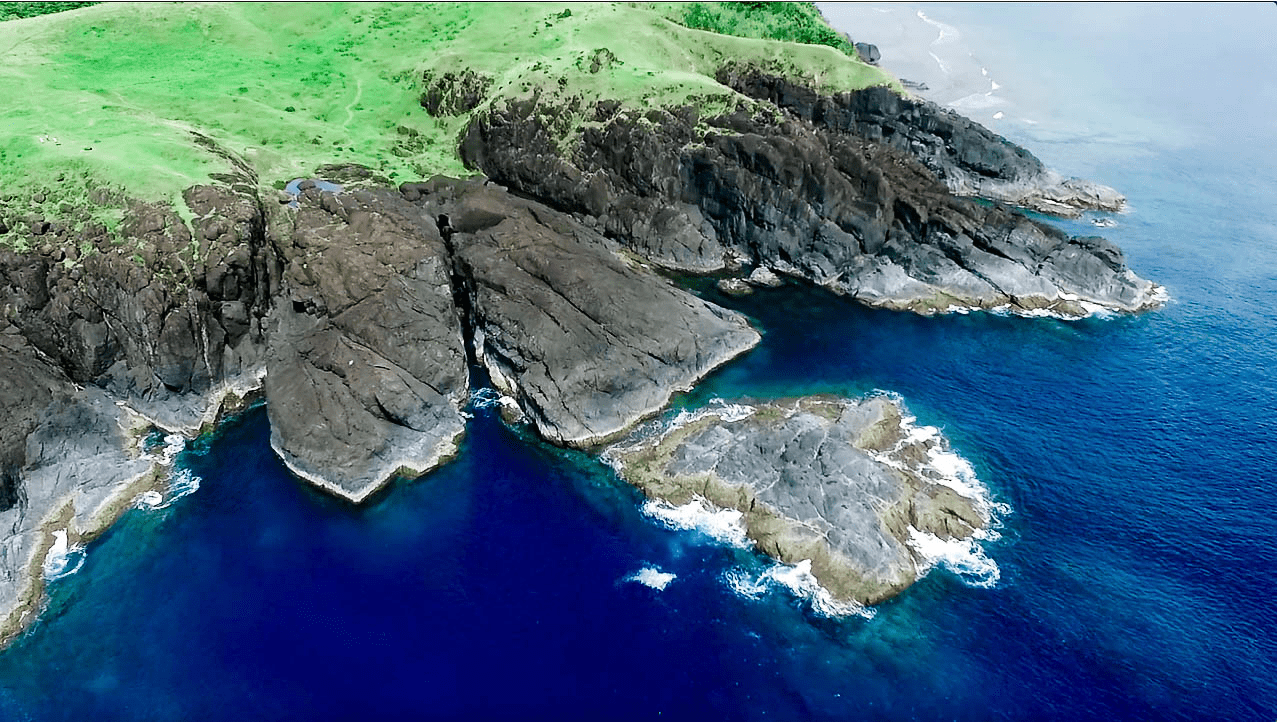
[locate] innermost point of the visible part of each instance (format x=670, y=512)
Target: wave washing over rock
x=725, y=526
x=853, y=497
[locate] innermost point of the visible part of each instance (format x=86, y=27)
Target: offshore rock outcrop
x=828, y=189
x=844, y=484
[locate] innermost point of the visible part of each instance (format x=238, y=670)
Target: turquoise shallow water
x=1137, y=561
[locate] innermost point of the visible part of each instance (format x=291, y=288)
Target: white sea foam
x=722, y=525
x=798, y=580
x=964, y=557
x=939, y=62
x=1089, y=310
x=173, y=445
x=181, y=482
x=999, y=115
x=729, y=412
x=652, y=577
x=62, y=560
x=948, y=33
x=487, y=398
x=943, y=466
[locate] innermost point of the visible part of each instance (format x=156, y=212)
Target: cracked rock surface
x=861, y=192
x=836, y=481
x=586, y=340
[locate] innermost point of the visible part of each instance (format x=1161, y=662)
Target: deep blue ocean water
x=1138, y=561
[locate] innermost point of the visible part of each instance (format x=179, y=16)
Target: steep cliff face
x=968, y=158
x=357, y=312
x=155, y=315
x=103, y=335
x=366, y=371
x=852, y=192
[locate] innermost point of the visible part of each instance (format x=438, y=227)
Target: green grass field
x=110, y=95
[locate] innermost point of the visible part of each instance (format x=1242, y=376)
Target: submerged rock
x=849, y=485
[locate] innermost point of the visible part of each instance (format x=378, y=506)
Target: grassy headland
x=111, y=96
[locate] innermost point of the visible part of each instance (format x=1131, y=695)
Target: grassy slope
x=792, y=21
x=110, y=94
x=14, y=10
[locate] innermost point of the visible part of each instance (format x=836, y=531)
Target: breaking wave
x=62, y=560
x=964, y=557
x=652, y=577
x=180, y=483
x=798, y=580
x=721, y=525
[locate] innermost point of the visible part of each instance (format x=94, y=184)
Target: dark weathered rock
x=868, y=52
x=586, y=341
x=367, y=369
x=833, y=194
x=65, y=454
x=838, y=482
x=360, y=311
x=967, y=157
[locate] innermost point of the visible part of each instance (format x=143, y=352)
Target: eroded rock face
x=585, y=339
x=968, y=158
x=162, y=321
x=854, y=192
x=361, y=313
x=367, y=368
x=836, y=481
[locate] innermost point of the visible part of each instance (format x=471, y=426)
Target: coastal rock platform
x=849, y=486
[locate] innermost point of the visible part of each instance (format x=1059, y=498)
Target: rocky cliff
x=855, y=192
x=365, y=313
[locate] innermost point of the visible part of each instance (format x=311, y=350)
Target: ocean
x=1133, y=459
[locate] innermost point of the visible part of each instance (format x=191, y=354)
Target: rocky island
x=496, y=203
x=848, y=485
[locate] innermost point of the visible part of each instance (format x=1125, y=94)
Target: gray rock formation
x=968, y=158
x=360, y=314
x=853, y=192
x=367, y=368
x=356, y=312
x=868, y=53
x=587, y=340
x=838, y=482
x=66, y=454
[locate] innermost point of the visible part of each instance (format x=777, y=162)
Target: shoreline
x=63, y=514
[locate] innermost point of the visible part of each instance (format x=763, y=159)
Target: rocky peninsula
x=365, y=309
